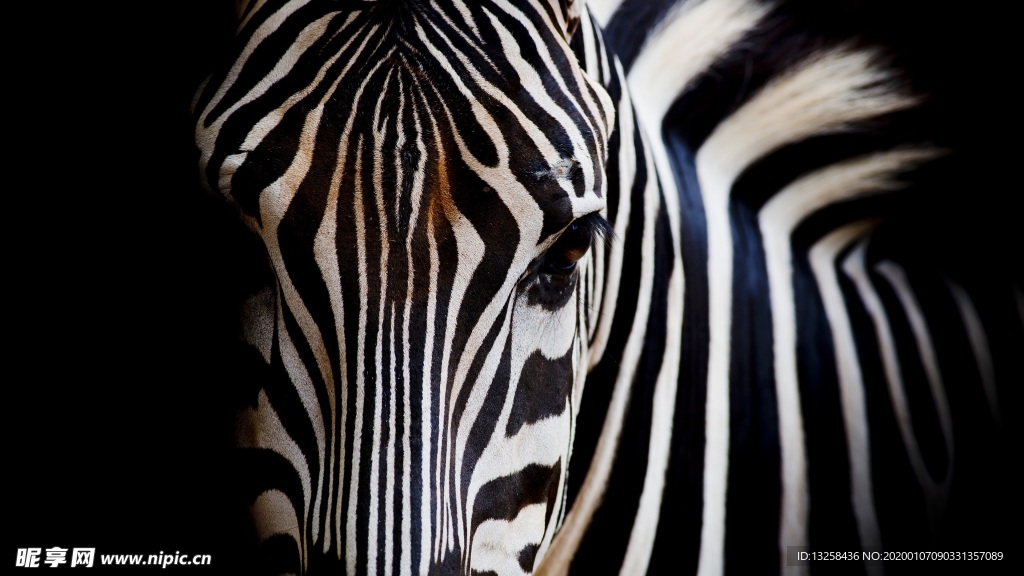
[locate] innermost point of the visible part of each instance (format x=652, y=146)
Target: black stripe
x=505, y=497
x=268, y=470
x=831, y=523
x=753, y=497
x=898, y=500
x=542, y=391
x=605, y=542
x=487, y=419
x=731, y=81
x=630, y=25
x=677, y=544
x=601, y=379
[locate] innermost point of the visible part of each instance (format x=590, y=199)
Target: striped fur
x=408, y=170
x=753, y=362
x=802, y=416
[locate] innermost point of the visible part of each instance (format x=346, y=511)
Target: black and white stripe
x=817, y=357
x=426, y=181
x=769, y=361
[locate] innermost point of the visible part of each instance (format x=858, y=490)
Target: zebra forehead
x=447, y=103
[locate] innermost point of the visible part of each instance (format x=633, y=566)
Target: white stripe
x=474, y=404
x=351, y=542
x=612, y=277
x=641, y=541
x=470, y=250
x=851, y=382
x=389, y=480
x=826, y=92
x=708, y=29
x=206, y=136
x=935, y=493
x=274, y=201
x=568, y=539
x=544, y=442
x=360, y=384
x=645, y=528
x=778, y=218
x=376, y=449
x=529, y=221
x=536, y=87
x=495, y=547
x=299, y=379
x=427, y=435
x=261, y=428
x=240, y=8
x=273, y=514
x=270, y=24
x=691, y=37
x=326, y=251
x=417, y=197
x=602, y=9
x=979, y=345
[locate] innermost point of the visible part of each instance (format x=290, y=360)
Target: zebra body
x=452, y=374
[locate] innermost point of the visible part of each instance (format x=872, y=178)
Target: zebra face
x=427, y=182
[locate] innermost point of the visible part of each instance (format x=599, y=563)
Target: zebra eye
x=570, y=247
x=555, y=271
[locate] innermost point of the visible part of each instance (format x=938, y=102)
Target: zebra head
x=427, y=181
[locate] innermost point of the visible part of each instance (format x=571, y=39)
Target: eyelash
x=555, y=278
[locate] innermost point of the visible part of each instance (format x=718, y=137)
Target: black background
x=119, y=283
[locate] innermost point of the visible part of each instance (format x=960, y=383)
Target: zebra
x=533, y=302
